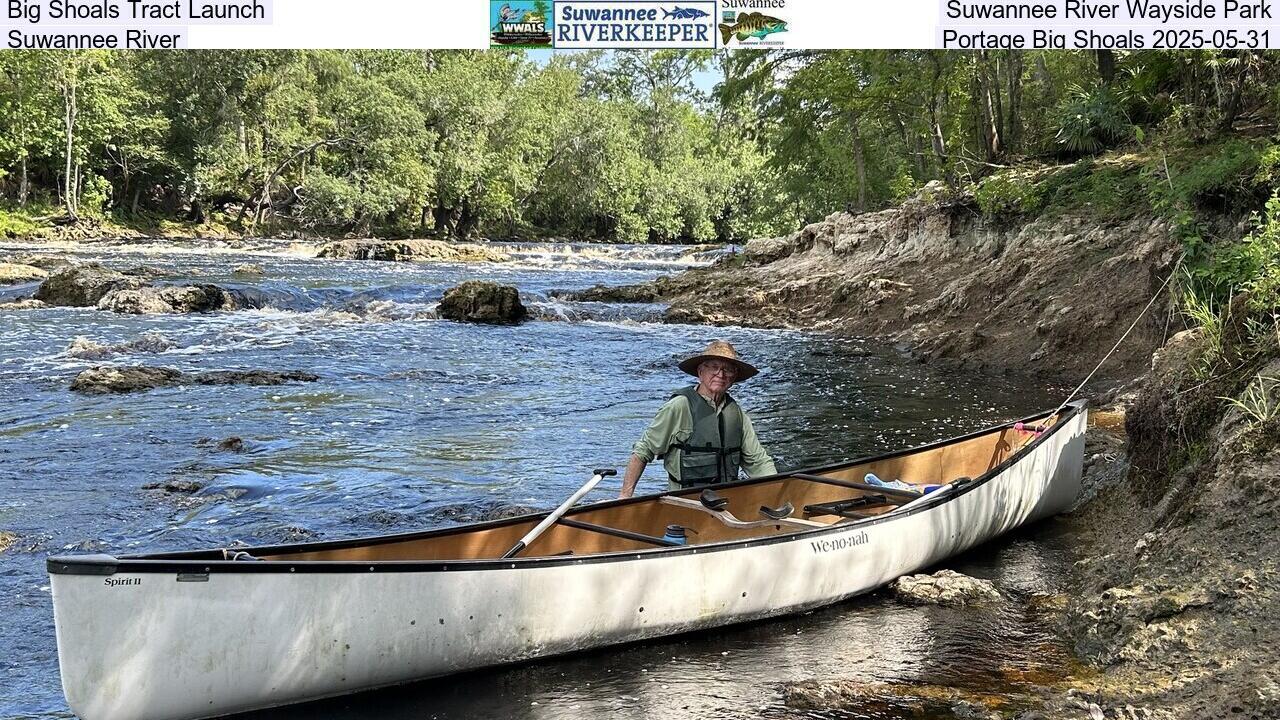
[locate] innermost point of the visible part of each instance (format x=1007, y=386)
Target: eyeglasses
x=728, y=371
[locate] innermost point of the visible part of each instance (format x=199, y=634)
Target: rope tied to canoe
x=1134, y=324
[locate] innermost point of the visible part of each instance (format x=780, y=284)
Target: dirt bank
x=1176, y=599
x=1047, y=295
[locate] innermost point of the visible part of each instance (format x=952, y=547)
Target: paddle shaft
x=556, y=514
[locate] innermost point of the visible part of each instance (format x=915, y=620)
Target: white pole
x=559, y=512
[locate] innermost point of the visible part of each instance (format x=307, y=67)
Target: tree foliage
x=616, y=146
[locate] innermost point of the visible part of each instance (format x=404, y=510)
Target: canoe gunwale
x=183, y=561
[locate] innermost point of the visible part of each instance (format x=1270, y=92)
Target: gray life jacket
x=713, y=453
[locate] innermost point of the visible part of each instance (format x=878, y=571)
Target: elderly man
x=702, y=435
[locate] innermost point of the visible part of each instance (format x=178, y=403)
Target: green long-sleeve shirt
x=674, y=424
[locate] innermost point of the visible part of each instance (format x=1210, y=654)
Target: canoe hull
x=142, y=645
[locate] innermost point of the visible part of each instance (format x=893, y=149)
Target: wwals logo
x=520, y=23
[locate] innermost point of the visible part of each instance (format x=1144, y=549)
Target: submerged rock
x=482, y=512
x=13, y=273
x=409, y=251
x=23, y=304
x=384, y=519
x=83, y=348
x=104, y=380
x=44, y=262
x=945, y=587
x=914, y=700
x=250, y=377
x=83, y=285
x=287, y=535
x=151, y=300
x=480, y=301
x=175, y=486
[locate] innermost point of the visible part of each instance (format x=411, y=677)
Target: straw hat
x=718, y=350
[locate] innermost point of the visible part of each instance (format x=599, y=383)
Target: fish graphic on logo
x=685, y=14
x=756, y=25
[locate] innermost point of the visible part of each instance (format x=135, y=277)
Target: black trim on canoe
x=212, y=560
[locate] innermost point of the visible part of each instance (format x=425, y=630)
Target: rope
x=1115, y=347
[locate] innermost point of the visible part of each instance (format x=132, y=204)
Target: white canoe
x=191, y=635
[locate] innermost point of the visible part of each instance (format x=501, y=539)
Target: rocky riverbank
x=1176, y=599
x=1046, y=296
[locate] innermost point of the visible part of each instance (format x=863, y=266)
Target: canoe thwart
x=615, y=532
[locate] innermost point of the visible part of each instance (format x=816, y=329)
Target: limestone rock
x=644, y=293
x=176, y=486
x=23, y=304
x=83, y=285
x=164, y=300
x=766, y=250
x=409, y=251
x=248, y=269
x=104, y=380
x=83, y=348
x=251, y=377
x=1039, y=294
x=870, y=698
x=945, y=587
x=482, y=512
x=480, y=301
x=44, y=262
x=12, y=273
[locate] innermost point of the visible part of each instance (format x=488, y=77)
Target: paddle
x=556, y=514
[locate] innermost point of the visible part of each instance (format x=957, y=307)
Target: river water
x=418, y=422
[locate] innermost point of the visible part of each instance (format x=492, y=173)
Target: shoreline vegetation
x=996, y=211
x=615, y=147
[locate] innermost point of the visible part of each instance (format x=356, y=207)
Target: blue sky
x=704, y=79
